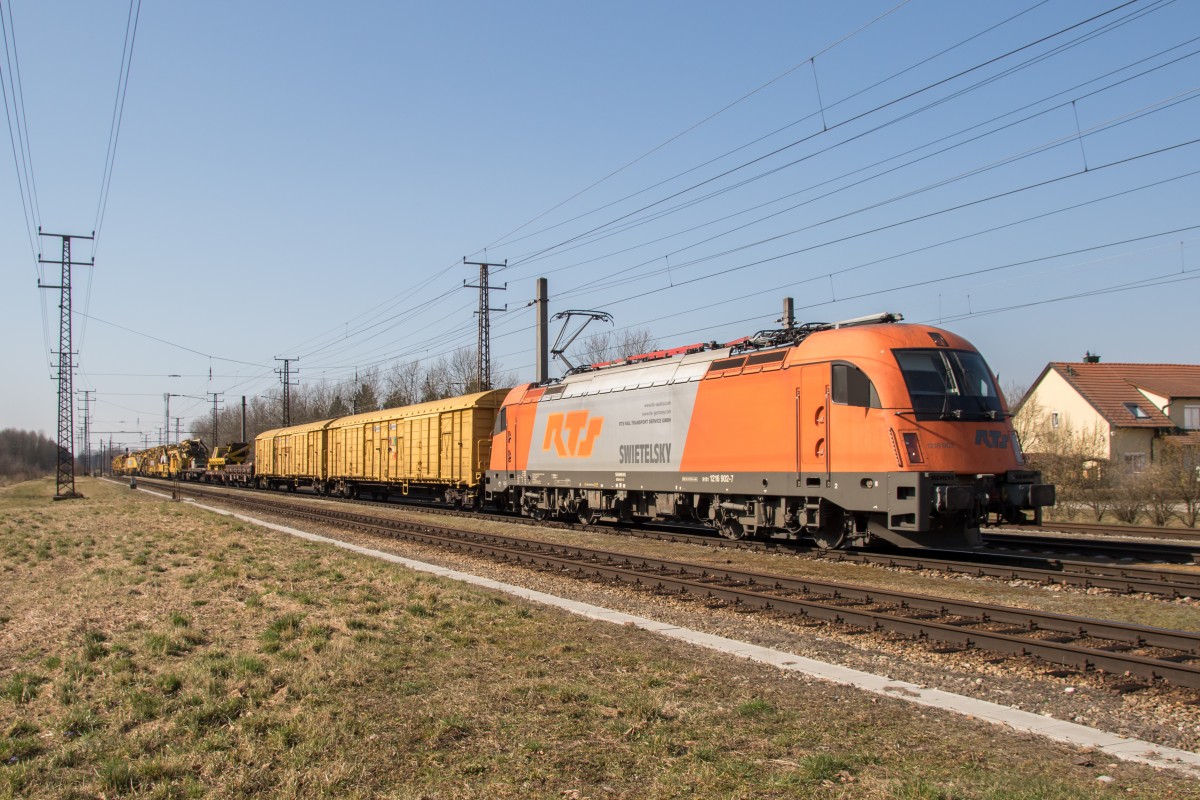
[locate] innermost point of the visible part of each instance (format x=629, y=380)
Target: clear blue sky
x=288, y=174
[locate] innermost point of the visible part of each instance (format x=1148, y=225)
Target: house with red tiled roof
x=1125, y=411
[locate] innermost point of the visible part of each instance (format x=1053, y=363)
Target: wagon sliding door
x=372, y=444
x=448, y=453
x=391, y=452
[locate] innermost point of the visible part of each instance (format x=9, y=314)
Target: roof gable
x=1113, y=389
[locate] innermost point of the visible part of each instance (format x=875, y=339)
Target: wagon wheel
x=537, y=513
x=587, y=516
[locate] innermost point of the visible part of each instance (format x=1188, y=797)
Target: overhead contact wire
x=842, y=123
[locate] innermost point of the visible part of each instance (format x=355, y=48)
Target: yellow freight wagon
x=437, y=449
x=291, y=457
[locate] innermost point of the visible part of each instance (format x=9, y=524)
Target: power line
x=114, y=131
x=855, y=171
x=348, y=346
x=878, y=229
x=887, y=104
x=166, y=342
x=791, y=124
x=704, y=121
x=18, y=91
x=727, y=107
x=19, y=163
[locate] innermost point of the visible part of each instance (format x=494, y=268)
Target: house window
x=1136, y=410
x=1136, y=462
x=1191, y=418
x=1054, y=420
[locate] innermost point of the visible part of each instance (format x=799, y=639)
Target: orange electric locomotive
x=844, y=433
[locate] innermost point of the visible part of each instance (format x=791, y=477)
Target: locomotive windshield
x=949, y=384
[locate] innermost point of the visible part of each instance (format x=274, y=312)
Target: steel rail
x=1178, y=553
x=1116, y=529
x=824, y=600
x=978, y=564
x=1079, y=574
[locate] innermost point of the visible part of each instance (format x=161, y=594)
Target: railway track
x=1118, y=649
x=1095, y=547
x=999, y=565
x=1130, y=531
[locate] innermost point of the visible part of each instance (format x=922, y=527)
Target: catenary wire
x=826, y=107
x=837, y=125
x=857, y=170
x=1043, y=38
x=694, y=126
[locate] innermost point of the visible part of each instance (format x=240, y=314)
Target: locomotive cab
x=958, y=431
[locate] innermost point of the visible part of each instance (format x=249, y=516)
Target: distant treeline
x=402, y=384
x=25, y=455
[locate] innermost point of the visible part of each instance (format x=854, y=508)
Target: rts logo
x=992, y=439
x=580, y=434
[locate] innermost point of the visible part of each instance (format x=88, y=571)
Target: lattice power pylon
x=65, y=475
x=484, y=349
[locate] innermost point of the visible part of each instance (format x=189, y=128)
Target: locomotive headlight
x=912, y=447
x=869, y=483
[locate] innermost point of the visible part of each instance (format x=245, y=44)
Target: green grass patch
x=21, y=687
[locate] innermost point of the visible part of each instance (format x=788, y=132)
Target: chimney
x=1091, y=359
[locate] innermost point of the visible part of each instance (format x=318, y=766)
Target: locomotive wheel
x=829, y=540
x=537, y=513
x=731, y=529
x=831, y=535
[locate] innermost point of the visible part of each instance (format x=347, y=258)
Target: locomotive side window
x=852, y=387
x=501, y=422
x=949, y=384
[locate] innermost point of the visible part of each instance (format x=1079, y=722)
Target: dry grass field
x=150, y=649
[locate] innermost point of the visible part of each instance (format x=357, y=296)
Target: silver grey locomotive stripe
x=596, y=424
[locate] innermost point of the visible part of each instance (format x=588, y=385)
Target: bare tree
x=1014, y=393
x=1177, y=476
x=462, y=372
x=1075, y=459
x=435, y=381
x=1160, y=497
x=403, y=382
x=1127, y=495
x=611, y=345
